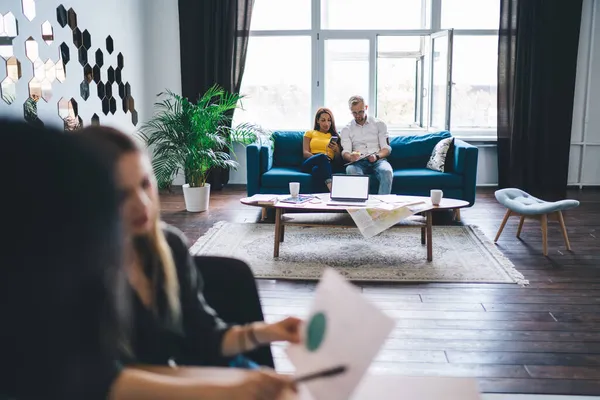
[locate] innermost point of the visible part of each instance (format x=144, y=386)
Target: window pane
x=375, y=14
x=280, y=15
x=474, y=73
x=470, y=14
x=439, y=82
x=277, y=88
x=346, y=74
x=397, y=79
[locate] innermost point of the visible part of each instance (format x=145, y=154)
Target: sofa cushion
x=288, y=148
x=282, y=176
x=424, y=178
x=414, y=151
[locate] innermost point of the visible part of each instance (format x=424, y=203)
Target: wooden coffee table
x=320, y=214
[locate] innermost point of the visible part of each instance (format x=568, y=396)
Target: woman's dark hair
x=332, y=128
x=63, y=298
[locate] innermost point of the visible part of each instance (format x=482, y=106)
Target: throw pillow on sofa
x=437, y=161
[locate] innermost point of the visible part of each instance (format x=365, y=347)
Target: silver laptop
x=350, y=190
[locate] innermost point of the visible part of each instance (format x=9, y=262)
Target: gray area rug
x=460, y=253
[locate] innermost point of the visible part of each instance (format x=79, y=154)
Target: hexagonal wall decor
x=77, y=39
x=50, y=70
x=73, y=108
x=127, y=89
x=108, y=90
x=120, y=61
x=28, y=9
x=99, y=58
x=86, y=39
x=65, y=53
x=63, y=108
x=35, y=89
x=60, y=71
x=125, y=104
x=30, y=112
x=39, y=70
x=112, y=102
x=131, y=103
x=105, y=106
x=72, y=18
x=82, y=55
x=31, y=49
x=9, y=90
x=95, y=120
x=46, y=90
x=122, y=91
x=111, y=75
x=88, y=74
x=96, y=73
x=84, y=89
x=61, y=16
x=13, y=69
x=73, y=124
x=6, y=50
x=47, y=33
x=109, y=45
x=101, y=91
x=118, y=78
x=11, y=27
x=134, y=117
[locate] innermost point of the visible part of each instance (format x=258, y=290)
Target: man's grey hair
x=354, y=100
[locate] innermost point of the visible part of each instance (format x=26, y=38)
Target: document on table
x=372, y=221
x=343, y=328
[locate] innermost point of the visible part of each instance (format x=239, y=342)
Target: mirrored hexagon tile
x=84, y=89
x=86, y=39
x=88, y=74
x=101, y=91
x=96, y=73
x=105, y=106
x=46, y=90
x=122, y=91
x=13, y=69
x=77, y=39
x=109, y=45
x=73, y=123
x=50, y=70
x=65, y=53
x=47, y=33
x=9, y=90
x=95, y=120
x=113, y=105
x=72, y=18
x=11, y=27
x=120, y=61
x=99, y=58
x=73, y=108
x=108, y=90
x=35, y=89
x=61, y=16
x=118, y=77
x=134, y=117
x=39, y=69
x=111, y=75
x=30, y=112
x=60, y=71
x=28, y=9
x=63, y=108
x=83, y=56
x=31, y=49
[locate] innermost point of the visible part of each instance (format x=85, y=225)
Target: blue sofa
x=271, y=166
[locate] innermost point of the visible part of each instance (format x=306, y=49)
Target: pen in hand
x=326, y=373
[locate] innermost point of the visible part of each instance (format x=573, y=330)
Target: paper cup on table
x=294, y=189
x=436, y=197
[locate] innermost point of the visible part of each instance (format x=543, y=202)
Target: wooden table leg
x=282, y=233
x=263, y=214
x=429, y=216
x=423, y=229
x=278, y=212
x=456, y=216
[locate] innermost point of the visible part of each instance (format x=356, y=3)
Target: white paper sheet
x=342, y=328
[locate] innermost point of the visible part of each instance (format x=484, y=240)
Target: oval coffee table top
x=322, y=198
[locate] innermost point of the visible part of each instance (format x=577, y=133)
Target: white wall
x=584, y=163
x=121, y=19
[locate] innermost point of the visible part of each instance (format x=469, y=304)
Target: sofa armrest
x=252, y=169
x=465, y=163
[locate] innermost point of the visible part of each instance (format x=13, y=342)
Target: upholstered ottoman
x=524, y=205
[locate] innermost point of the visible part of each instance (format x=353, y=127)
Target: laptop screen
x=350, y=187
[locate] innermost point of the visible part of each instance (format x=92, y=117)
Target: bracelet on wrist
x=252, y=336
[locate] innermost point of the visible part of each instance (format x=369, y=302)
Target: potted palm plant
x=195, y=138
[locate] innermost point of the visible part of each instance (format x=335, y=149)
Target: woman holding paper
x=173, y=322
x=321, y=148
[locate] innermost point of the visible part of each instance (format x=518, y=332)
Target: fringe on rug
x=203, y=240
x=508, y=266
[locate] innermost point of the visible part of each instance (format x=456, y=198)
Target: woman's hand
x=287, y=330
x=263, y=384
x=334, y=146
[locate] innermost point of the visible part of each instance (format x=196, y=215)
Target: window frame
x=319, y=36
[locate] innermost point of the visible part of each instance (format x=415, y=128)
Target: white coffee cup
x=294, y=189
x=436, y=196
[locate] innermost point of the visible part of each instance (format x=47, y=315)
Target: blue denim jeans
x=382, y=169
x=319, y=167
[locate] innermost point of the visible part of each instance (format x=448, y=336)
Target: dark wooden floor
x=544, y=338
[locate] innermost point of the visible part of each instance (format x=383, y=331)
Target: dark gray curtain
x=214, y=39
x=537, y=61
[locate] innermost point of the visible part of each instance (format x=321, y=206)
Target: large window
x=421, y=65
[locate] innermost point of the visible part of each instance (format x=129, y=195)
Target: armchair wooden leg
x=544, y=221
x=263, y=214
x=563, y=228
x=520, y=226
x=506, y=216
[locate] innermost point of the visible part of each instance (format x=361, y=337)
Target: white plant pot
x=196, y=198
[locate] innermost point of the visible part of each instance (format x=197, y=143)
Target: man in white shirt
x=367, y=136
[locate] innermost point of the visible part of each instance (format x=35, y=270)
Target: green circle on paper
x=316, y=331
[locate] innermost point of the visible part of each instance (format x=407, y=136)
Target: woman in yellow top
x=320, y=148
